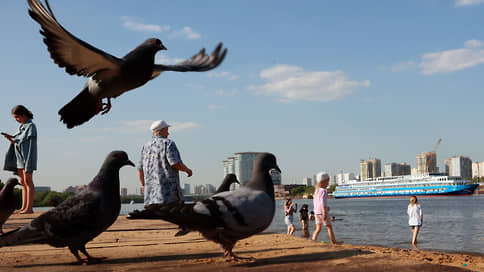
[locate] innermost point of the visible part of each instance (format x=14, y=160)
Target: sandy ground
x=149, y=245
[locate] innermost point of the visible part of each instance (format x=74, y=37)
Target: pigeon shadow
x=140, y=229
x=311, y=257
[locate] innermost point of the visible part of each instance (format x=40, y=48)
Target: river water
x=451, y=224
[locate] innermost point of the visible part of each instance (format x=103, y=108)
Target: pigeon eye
x=154, y=42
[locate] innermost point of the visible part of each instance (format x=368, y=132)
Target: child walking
x=304, y=218
x=415, y=218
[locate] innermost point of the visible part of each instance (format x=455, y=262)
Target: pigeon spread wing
x=198, y=63
x=77, y=56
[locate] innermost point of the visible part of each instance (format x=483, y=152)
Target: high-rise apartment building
x=459, y=166
x=397, y=169
x=242, y=165
x=423, y=164
x=370, y=169
x=477, y=169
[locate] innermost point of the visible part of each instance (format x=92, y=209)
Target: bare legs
x=290, y=229
x=330, y=233
x=28, y=191
x=415, y=231
x=316, y=232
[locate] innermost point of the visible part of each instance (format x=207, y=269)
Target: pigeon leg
x=91, y=259
x=106, y=106
x=76, y=254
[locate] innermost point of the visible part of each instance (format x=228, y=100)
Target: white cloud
x=291, y=83
x=461, y=3
x=223, y=74
x=143, y=126
x=453, y=60
x=186, y=32
x=130, y=24
x=221, y=92
x=163, y=59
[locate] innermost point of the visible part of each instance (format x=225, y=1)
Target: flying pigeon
x=228, y=217
x=7, y=201
x=109, y=76
x=79, y=219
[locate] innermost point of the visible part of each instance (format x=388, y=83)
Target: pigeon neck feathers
x=261, y=179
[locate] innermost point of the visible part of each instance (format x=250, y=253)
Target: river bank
x=149, y=245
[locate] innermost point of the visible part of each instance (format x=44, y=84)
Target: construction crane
x=432, y=155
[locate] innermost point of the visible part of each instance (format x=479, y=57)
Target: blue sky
x=321, y=84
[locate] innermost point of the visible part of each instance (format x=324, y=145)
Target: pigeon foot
x=106, y=107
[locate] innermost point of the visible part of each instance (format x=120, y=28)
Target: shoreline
x=149, y=245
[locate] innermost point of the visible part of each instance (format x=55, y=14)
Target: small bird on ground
x=7, y=201
x=79, y=219
x=109, y=76
x=230, y=216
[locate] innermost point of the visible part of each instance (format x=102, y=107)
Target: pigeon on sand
x=148, y=214
x=228, y=217
x=79, y=219
x=7, y=201
x=109, y=76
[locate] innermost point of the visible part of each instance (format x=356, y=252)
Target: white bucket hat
x=322, y=176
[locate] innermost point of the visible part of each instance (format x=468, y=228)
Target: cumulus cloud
x=292, y=83
x=186, y=32
x=131, y=24
x=453, y=60
x=223, y=74
x=143, y=126
x=460, y=3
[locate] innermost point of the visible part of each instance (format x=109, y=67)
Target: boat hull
x=443, y=190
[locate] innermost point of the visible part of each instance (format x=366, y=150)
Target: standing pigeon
x=228, y=217
x=7, y=201
x=109, y=76
x=226, y=183
x=79, y=219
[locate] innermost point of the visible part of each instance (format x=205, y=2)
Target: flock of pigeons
x=225, y=217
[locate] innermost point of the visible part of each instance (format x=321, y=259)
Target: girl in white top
x=415, y=218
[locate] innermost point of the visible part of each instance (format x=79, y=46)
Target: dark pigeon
x=79, y=219
x=228, y=217
x=7, y=201
x=226, y=183
x=109, y=76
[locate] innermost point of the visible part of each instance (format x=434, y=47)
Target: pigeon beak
x=130, y=163
x=162, y=47
x=277, y=168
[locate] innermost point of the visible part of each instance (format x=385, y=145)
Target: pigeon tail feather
x=82, y=108
x=21, y=236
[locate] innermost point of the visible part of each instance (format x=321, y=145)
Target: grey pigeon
x=224, y=187
x=109, y=76
x=7, y=201
x=79, y=219
x=228, y=217
x=226, y=183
